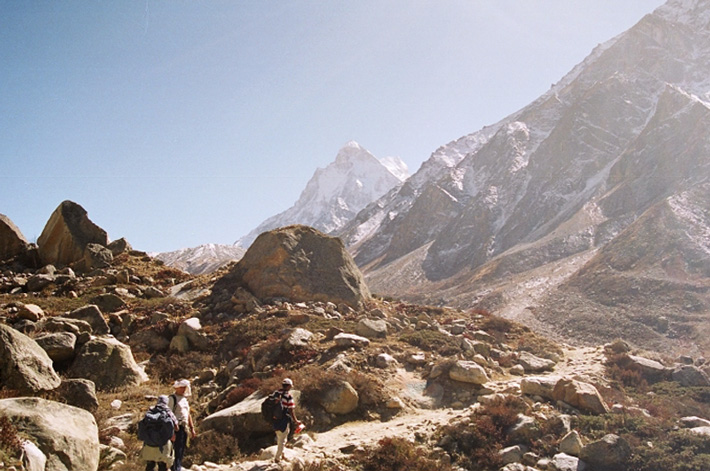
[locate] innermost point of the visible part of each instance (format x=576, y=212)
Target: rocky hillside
x=380, y=384
x=508, y=217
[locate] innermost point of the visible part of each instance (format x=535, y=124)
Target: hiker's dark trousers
x=150, y=466
x=179, y=444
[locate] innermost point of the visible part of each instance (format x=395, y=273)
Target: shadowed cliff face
x=623, y=132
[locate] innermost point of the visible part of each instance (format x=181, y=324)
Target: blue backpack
x=156, y=428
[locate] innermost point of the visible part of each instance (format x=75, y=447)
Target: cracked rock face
x=12, y=242
x=67, y=234
x=299, y=263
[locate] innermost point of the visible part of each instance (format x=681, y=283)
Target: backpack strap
x=174, y=398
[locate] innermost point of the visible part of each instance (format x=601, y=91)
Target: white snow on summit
x=336, y=193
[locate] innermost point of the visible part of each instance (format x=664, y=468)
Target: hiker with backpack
x=157, y=430
x=179, y=404
x=284, y=417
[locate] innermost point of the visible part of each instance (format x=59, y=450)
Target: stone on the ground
x=690, y=376
x=372, y=328
x=564, y=462
x=340, y=399
x=693, y=421
x=58, y=345
x=350, y=340
x=611, y=452
x=67, y=435
x=542, y=386
x=80, y=393
x=581, y=395
x=468, y=372
x=571, y=443
x=108, y=363
x=24, y=365
x=91, y=314
x=297, y=338
x=31, y=312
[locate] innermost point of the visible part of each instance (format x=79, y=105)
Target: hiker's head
x=182, y=387
x=162, y=401
x=287, y=383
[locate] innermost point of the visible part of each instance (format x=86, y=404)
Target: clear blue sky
x=179, y=123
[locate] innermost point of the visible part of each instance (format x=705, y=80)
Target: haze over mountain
x=332, y=197
x=519, y=217
x=336, y=193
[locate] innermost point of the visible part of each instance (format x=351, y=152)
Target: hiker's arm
x=191, y=425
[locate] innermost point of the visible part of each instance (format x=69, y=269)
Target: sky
x=180, y=123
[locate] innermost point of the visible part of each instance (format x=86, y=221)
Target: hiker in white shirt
x=180, y=406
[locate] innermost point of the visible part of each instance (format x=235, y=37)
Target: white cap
x=287, y=381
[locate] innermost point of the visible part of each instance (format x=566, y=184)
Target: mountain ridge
x=554, y=182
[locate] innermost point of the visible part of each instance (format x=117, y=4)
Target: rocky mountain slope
x=201, y=259
x=336, y=193
x=575, y=177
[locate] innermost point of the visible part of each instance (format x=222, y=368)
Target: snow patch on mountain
x=202, y=259
x=336, y=193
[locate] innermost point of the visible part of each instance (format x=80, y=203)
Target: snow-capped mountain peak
x=336, y=193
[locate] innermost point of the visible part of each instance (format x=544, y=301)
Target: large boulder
x=67, y=233
x=298, y=263
x=650, y=370
x=67, y=435
x=340, y=399
x=91, y=314
x=59, y=346
x=690, y=375
x=80, y=393
x=468, y=372
x=12, y=242
x=191, y=329
x=534, y=364
x=24, y=365
x=372, y=328
x=583, y=396
x=243, y=416
x=542, y=386
x=108, y=363
x=610, y=453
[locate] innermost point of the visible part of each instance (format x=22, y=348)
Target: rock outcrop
x=67, y=234
x=67, y=435
x=108, y=363
x=24, y=365
x=298, y=263
x=12, y=242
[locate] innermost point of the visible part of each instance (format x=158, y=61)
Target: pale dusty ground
x=585, y=363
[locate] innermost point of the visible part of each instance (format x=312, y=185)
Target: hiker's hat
x=287, y=382
x=183, y=383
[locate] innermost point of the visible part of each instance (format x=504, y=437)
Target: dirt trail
x=416, y=419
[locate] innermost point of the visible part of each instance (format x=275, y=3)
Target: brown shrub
x=398, y=454
x=10, y=442
x=620, y=369
x=243, y=390
x=474, y=444
x=174, y=365
x=213, y=446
